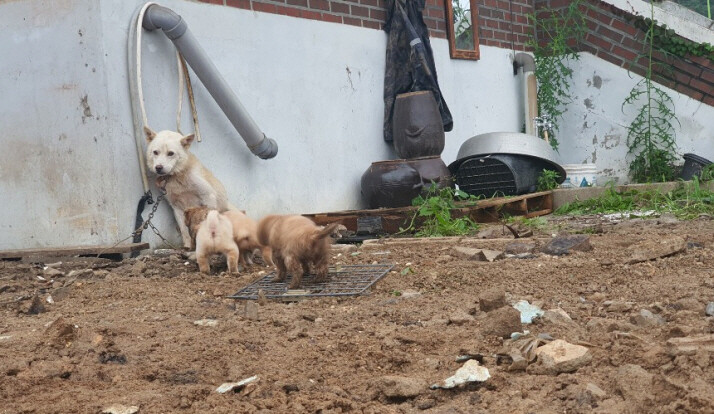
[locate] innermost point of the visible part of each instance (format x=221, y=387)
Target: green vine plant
x=548, y=180
x=562, y=29
x=435, y=209
x=651, y=134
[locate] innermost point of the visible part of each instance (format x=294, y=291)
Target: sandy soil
x=124, y=332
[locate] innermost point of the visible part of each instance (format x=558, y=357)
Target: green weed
x=435, y=208
x=548, y=180
x=687, y=201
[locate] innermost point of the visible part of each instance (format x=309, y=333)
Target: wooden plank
x=483, y=211
x=539, y=213
x=73, y=250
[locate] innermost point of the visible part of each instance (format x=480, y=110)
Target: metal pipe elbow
x=265, y=149
x=524, y=60
x=159, y=17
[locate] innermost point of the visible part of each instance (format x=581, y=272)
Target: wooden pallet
x=73, y=251
x=484, y=211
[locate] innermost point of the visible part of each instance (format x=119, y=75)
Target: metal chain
x=147, y=223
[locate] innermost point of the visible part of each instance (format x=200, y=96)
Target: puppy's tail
x=327, y=231
x=212, y=219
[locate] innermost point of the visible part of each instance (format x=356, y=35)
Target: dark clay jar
x=417, y=127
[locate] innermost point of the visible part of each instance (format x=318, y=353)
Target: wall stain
x=588, y=103
x=349, y=78
x=611, y=141
x=87, y=109
x=597, y=81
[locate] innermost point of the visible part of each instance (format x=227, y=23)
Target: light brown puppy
x=193, y=217
x=214, y=235
x=296, y=243
x=245, y=234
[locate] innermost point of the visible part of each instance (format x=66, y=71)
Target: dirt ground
x=124, y=332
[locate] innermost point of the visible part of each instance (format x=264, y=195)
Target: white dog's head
x=167, y=151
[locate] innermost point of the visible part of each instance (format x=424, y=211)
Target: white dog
x=187, y=182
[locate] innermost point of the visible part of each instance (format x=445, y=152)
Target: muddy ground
x=124, y=332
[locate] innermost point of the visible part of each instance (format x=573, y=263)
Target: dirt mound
x=123, y=333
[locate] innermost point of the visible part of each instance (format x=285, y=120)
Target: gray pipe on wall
x=526, y=62
x=176, y=29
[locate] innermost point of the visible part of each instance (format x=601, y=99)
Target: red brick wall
x=612, y=36
x=494, y=15
x=505, y=24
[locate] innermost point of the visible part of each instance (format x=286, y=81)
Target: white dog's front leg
x=181, y=221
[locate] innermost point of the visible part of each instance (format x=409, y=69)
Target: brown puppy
x=245, y=234
x=213, y=235
x=296, y=242
x=193, y=217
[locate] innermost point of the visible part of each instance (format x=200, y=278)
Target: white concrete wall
x=58, y=174
x=594, y=127
x=315, y=87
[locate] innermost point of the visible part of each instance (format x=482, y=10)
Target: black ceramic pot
x=417, y=127
x=390, y=184
x=432, y=169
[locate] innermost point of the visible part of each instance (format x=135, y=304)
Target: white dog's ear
x=150, y=134
x=187, y=140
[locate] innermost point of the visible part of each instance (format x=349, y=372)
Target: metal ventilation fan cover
x=512, y=143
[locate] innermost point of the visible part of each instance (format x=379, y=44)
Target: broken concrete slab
x=471, y=371
x=647, y=319
x=520, y=247
x=564, y=244
x=393, y=386
x=556, y=316
x=482, y=255
x=560, y=356
x=655, y=249
x=689, y=345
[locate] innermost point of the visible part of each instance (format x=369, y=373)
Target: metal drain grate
x=347, y=280
x=486, y=177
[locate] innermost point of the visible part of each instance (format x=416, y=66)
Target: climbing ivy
x=667, y=41
x=651, y=135
x=562, y=30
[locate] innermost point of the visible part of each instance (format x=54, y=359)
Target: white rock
x=52, y=272
x=471, y=371
x=121, y=409
x=230, y=386
x=206, y=322
x=528, y=311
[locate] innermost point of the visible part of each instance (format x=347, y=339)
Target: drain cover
x=347, y=280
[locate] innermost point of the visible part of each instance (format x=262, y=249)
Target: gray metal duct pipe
x=530, y=90
x=176, y=29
